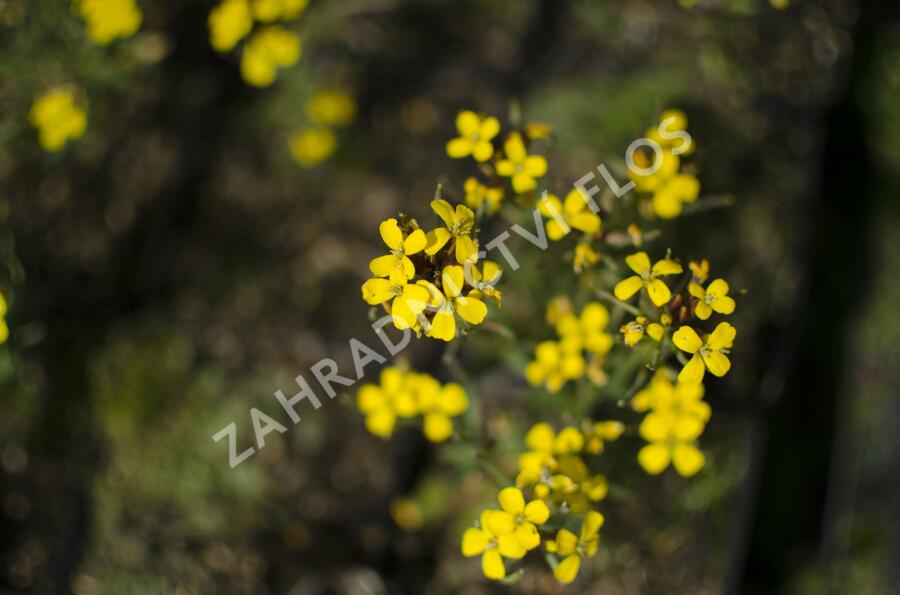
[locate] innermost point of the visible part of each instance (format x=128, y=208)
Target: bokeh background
x=175, y=266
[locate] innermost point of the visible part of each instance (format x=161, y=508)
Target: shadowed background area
x=174, y=267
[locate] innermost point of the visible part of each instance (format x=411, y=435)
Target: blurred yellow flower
x=699, y=270
x=57, y=118
x=517, y=164
x=478, y=194
x=407, y=514
x=710, y=353
x=538, y=130
x=108, y=20
x=554, y=364
x=268, y=50
x=229, y=22
x=574, y=211
x=267, y=11
x=588, y=329
x=571, y=549
x=714, y=298
x=585, y=257
x=647, y=278
x=311, y=146
x=677, y=420
x=601, y=432
x=383, y=404
x=4, y=329
x=438, y=404
x=475, y=136
x=634, y=331
x=332, y=108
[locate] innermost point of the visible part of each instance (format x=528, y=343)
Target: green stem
x=605, y=295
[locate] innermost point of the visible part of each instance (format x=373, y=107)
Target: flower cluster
x=582, y=346
x=270, y=48
x=315, y=143
x=670, y=188
x=676, y=417
x=108, y=20
x=406, y=395
x=430, y=282
x=58, y=118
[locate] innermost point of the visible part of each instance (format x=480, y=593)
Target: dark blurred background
x=174, y=267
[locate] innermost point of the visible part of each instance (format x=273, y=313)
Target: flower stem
x=604, y=295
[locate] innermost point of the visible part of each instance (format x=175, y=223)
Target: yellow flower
x=634, y=330
x=574, y=211
x=475, y=135
x=57, y=119
x=572, y=549
x=267, y=11
x=557, y=308
x=268, y=50
x=538, y=130
x=555, y=364
x=311, y=146
x=678, y=123
x=518, y=518
x=518, y=165
x=714, y=298
x=383, y=404
x=486, y=280
x=668, y=167
x=574, y=485
x=709, y=354
x=672, y=193
x=407, y=301
x=491, y=547
x=601, y=432
x=699, y=270
x=469, y=307
x=4, y=329
x=229, y=22
x=671, y=434
x=401, y=249
x=332, y=108
x=108, y=20
x=438, y=404
x=587, y=330
x=459, y=225
x=647, y=278
x=478, y=194
x=585, y=257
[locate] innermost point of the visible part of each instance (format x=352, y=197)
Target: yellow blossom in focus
x=634, y=331
x=486, y=279
x=710, y=353
x=407, y=300
x=714, y=298
x=574, y=211
x=268, y=50
x=332, y=108
x=517, y=164
x=451, y=301
x=57, y=118
x=571, y=549
x=108, y=20
x=648, y=278
x=481, y=541
x=459, y=224
x=311, y=146
x=478, y=194
x=229, y=22
x=268, y=11
x=401, y=249
x=475, y=135
x=518, y=518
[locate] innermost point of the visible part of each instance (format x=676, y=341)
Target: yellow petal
x=466, y=250
x=500, y=522
x=723, y=305
x=587, y=222
x=628, y=287
x=654, y=458
x=381, y=422
x=527, y=535
x=535, y=166
x=471, y=310
x=716, y=362
x=566, y=571
x=444, y=210
x=492, y=565
x=383, y=265
x=414, y=242
x=692, y=372
x=377, y=291
x=702, y=310
x=722, y=337
x=591, y=526
x=687, y=339
x=510, y=547
x=719, y=287
x=458, y=148
x=443, y=326
x=638, y=262
x=435, y=240
x=437, y=427
x=515, y=148
x=696, y=290
x=687, y=459
x=659, y=293
x=656, y=331
x=511, y=500
x=482, y=151
x=452, y=280
x=468, y=123
x=452, y=399
x=523, y=182
x=391, y=234
x=540, y=437
x=566, y=542
x=537, y=512
x=474, y=541
x=490, y=126
x=656, y=427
